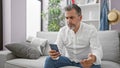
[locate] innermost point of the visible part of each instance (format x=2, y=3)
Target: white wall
x=21, y=18
x=33, y=17
x=115, y=5
x=18, y=20
x=14, y=21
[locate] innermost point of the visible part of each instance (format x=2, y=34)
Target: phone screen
x=54, y=47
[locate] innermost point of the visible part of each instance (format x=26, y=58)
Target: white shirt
x=77, y=46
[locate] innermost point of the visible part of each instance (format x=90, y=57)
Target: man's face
x=72, y=18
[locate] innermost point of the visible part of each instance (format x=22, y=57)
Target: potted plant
x=55, y=15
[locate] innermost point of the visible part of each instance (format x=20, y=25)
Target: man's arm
x=96, y=47
x=59, y=42
x=87, y=63
x=96, y=55
x=53, y=53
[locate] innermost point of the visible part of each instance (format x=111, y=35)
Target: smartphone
x=54, y=47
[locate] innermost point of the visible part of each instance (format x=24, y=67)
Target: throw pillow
x=23, y=50
x=39, y=43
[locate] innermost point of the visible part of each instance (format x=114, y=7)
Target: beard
x=71, y=26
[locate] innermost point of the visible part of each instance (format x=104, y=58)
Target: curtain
x=1, y=27
x=104, y=25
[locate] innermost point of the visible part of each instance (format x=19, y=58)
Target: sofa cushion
x=26, y=63
x=7, y=65
x=50, y=36
x=110, y=64
x=39, y=63
x=110, y=44
x=23, y=50
x=29, y=63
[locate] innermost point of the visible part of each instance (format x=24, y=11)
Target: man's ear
x=80, y=17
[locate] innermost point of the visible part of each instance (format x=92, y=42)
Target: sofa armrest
x=4, y=56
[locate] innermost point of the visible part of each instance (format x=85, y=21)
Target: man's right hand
x=54, y=54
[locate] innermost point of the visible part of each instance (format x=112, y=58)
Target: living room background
x=15, y=19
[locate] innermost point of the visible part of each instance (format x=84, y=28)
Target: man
x=78, y=43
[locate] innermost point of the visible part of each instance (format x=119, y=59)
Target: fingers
x=85, y=63
x=82, y=62
x=54, y=54
x=88, y=62
x=90, y=55
x=52, y=51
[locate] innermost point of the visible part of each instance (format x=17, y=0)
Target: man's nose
x=68, y=20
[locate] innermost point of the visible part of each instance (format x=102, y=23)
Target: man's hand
x=87, y=63
x=54, y=54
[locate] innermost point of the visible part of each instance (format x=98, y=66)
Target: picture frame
x=91, y=1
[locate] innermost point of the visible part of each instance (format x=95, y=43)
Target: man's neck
x=76, y=29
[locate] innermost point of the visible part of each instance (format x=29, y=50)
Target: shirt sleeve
x=59, y=42
x=96, y=47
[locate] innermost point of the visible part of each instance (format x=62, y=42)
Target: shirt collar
x=80, y=28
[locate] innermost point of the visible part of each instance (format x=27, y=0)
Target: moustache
x=71, y=26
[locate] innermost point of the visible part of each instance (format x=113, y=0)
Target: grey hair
x=73, y=6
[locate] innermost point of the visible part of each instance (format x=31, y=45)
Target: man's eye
x=66, y=17
x=71, y=17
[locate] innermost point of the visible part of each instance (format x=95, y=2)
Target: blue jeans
x=63, y=61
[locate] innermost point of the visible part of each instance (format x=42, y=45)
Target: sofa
x=110, y=41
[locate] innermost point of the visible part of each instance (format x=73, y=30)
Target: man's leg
x=96, y=66
x=61, y=62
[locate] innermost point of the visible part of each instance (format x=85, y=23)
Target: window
x=33, y=12
x=52, y=15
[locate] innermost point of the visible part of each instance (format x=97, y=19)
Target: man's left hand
x=87, y=63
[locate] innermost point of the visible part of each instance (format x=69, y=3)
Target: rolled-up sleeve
x=96, y=47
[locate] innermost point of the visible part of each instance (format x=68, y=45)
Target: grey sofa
x=109, y=40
